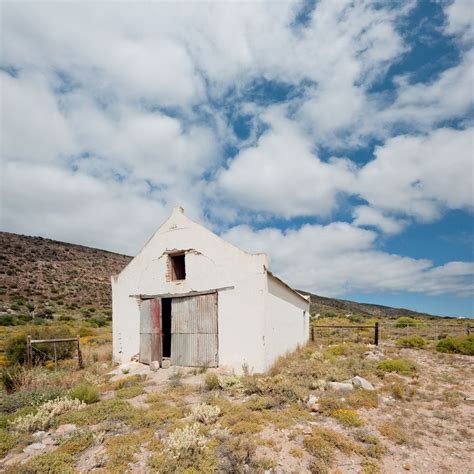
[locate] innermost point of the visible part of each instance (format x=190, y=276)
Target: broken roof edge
x=279, y=280
x=180, y=210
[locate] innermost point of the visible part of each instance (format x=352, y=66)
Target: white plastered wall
x=286, y=320
x=211, y=263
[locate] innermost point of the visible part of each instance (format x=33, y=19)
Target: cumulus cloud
x=115, y=113
x=421, y=175
x=339, y=258
x=372, y=217
x=281, y=175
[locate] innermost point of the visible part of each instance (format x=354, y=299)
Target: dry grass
x=394, y=431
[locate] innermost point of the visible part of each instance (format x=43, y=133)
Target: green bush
x=405, y=321
x=85, y=392
x=7, y=320
x=18, y=400
x=97, y=321
x=457, y=345
x=400, y=366
x=212, y=381
x=9, y=377
x=15, y=347
x=411, y=341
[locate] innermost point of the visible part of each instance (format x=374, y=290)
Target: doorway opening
x=166, y=326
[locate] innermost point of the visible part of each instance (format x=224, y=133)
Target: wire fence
x=386, y=331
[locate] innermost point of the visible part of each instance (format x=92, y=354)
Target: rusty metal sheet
x=194, y=350
x=150, y=331
x=194, y=339
x=194, y=314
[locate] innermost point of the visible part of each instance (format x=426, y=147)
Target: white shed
x=191, y=297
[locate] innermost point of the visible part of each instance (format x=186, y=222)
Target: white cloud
x=281, y=175
x=341, y=258
x=369, y=216
x=460, y=19
x=421, y=175
x=53, y=202
x=33, y=127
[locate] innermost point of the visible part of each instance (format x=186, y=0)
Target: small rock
x=39, y=435
x=165, y=364
x=92, y=458
x=318, y=385
x=307, y=431
x=154, y=365
x=312, y=399
x=371, y=355
x=65, y=429
x=49, y=441
x=362, y=383
x=340, y=386
x=34, y=448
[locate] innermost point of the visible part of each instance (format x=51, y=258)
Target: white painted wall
x=211, y=263
x=286, y=320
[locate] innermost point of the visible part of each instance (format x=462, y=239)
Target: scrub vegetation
x=306, y=414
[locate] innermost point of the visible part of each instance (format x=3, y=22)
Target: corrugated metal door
x=150, y=331
x=194, y=331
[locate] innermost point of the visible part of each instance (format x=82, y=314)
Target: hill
x=43, y=275
x=326, y=306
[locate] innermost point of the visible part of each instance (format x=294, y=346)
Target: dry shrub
x=323, y=443
x=348, y=417
x=394, y=431
x=184, y=450
x=329, y=403
x=206, y=414
x=121, y=450
x=400, y=366
x=361, y=398
x=411, y=341
x=236, y=454
x=45, y=414
x=402, y=391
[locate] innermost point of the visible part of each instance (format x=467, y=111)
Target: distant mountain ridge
x=69, y=277
x=323, y=305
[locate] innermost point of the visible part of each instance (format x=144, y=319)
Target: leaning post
x=376, y=334
x=79, y=352
x=29, y=352
x=468, y=329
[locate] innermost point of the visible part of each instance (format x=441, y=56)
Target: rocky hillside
x=38, y=274
x=325, y=306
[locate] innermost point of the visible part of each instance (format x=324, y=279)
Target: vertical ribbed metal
x=194, y=331
x=150, y=331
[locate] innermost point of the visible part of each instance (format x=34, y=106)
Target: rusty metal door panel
x=194, y=340
x=150, y=331
x=194, y=314
x=194, y=350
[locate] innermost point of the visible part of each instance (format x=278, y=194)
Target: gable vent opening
x=177, y=266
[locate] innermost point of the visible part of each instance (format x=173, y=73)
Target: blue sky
x=337, y=137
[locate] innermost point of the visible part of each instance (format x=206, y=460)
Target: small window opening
x=178, y=268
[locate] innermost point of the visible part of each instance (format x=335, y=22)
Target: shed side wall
x=286, y=321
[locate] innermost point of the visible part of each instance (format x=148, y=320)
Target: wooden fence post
x=376, y=334
x=468, y=329
x=79, y=353
x=312, y=333
x=29, y=352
